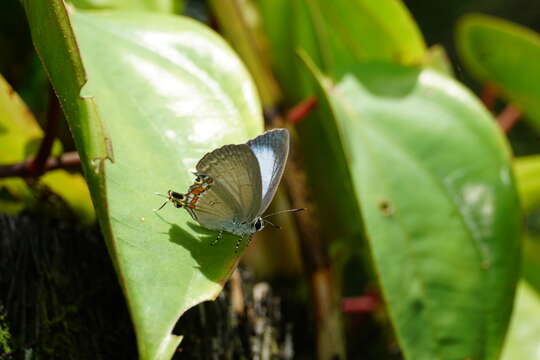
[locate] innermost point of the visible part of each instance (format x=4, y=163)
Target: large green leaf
x=374, y=29
x=168, y=90
x=433, y=178
x=336, y=34
x=505, y=54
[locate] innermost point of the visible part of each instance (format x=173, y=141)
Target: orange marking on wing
x=198, y=190
x=193, y=202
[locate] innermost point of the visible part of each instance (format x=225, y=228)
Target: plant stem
x=301, y=110
x=69, y=160
x=508, y=118
x=37, y=166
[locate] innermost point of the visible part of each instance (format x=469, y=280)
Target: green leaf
x=18, y=128
x=530, y=268
x=164, y=6
x=239, y=24
x=375, y=29
x=433, y=178
x=524, y=333
x=527, y=170
x=20, y=137
x=168, y=90
x=506, y=55
x=336, y=34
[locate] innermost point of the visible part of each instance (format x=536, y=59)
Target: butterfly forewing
x=271, y=150
x=235, y=194
x=212, y=210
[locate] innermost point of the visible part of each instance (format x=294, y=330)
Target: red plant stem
x=489, y=95
x=37, y=166
x=24, y=169
x=301, y=110
x=508, y=118
x=360, y=304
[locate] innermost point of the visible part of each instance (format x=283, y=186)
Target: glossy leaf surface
x=505, y=54
x=168, y=90
x=443, y=225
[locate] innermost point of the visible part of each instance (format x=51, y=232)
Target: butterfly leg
x=219, y=236
x=249, y=239
x=238, y=242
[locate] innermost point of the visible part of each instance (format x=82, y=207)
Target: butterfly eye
x=258, y=224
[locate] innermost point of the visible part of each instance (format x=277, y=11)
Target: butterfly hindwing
x=271, y=150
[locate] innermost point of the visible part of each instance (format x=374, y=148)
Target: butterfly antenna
x=284, y=211
x=165, y=203
x=272, y=224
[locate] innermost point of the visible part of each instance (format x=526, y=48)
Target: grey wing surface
x=271, y=150
x=212, y=211
x=237, y=183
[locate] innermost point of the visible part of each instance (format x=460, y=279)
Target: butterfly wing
x=235, y=194
x=271, y=150
x=212, y=211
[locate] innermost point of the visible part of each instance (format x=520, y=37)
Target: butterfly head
x=177, y=199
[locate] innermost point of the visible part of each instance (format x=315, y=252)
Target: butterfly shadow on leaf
x=215, y=262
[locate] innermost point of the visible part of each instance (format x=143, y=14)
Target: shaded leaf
x=506, y=55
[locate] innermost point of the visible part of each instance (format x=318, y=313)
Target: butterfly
x=235, y=184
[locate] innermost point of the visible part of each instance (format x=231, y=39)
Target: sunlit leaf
x=374, y=29
x=523, y=341
x=17, y=128
x=20, y=137
x=167, y=90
